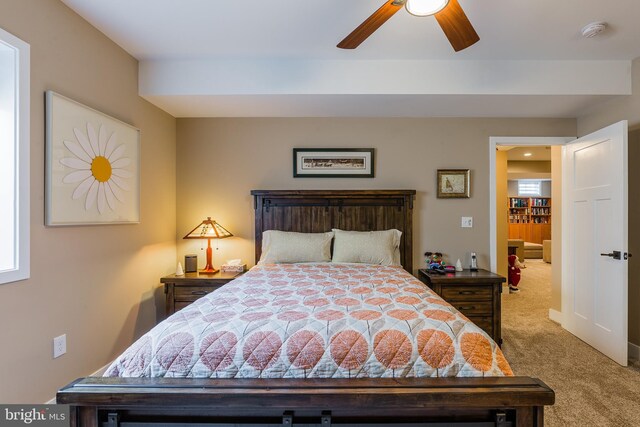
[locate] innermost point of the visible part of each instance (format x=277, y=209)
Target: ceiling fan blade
x=371, y=24
x=456, y=26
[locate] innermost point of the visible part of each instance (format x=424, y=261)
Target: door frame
x=522, y=141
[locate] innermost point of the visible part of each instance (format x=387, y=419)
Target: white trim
x=634, y=351
x=555, y=316
x=494, y=142
x=97, y=373
x=564, y=274
x=23, y=114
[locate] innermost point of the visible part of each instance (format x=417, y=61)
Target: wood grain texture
x=180, y=291
x=529, y=232
x=318, y=211
x=456, y=26
x=476, y=294
x=370, y=25
x=406, y=393
x=380, y=400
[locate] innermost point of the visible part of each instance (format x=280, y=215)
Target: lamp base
x=209, y=269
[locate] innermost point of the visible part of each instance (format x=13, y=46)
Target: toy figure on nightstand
x=514, y=274
x=436, y=264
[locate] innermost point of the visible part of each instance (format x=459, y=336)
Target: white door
x=594, y=204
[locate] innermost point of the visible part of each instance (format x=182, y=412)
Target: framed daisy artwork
x=92, y=166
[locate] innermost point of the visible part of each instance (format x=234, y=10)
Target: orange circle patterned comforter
x=315, y=321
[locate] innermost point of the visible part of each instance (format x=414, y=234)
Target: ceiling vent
x=593, y=29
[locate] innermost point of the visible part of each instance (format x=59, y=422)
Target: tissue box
x=234, y=268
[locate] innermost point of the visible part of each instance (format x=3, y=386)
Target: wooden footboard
x=130, y=402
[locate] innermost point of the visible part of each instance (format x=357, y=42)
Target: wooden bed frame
x=136, y=402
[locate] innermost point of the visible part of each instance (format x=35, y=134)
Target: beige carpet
x=591, y=390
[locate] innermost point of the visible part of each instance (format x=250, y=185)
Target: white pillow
x=283, y=247
x=369, y=247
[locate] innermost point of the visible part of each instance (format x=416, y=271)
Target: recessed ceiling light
x=593, y=29
x=528, y=154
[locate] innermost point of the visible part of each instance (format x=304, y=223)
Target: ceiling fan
x=448, y=13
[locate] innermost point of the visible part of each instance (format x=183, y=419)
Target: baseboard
x=555, y=316
x=634, y=351
x=97, y=373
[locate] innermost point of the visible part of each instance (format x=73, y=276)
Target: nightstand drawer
x=484, y=322
x=473, y=308
x=192, y=293
x=467, y=293
x=179, y=305
x=180, y=291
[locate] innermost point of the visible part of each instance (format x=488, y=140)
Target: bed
x=332, y=392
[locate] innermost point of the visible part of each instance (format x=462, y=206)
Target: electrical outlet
x=59, y=345
x=467, y=222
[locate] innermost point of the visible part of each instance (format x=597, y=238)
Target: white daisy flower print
x=99, y=168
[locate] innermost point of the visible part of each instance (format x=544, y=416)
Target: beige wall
x=502, y=226
x=626, y=108
x=221, y=160
x=97, y=284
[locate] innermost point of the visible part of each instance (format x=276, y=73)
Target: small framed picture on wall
x=453, y=184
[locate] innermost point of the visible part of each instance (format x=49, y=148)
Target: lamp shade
x=208, y=229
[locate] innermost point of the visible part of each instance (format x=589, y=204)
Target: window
x=14, y=158
x=529, y=187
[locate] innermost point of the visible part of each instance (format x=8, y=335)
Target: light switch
x=467, y=222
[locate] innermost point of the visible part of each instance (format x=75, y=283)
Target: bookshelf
x=530, y=218
x=540, y=210
x=519, y=210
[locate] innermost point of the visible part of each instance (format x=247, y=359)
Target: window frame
x=22, y=267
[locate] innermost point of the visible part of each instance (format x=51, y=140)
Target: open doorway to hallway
x=530, y=211
x=526, y=203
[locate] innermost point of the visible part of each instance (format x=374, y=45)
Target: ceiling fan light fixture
x=425, y=7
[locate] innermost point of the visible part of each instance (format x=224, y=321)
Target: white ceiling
x=216, y=34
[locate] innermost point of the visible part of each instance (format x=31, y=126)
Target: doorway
x=499, y=215
x=593, y=242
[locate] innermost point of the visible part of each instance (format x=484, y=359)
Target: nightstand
x=180, y=291
x=476, y=294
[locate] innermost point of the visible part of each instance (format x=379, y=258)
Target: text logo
x=34, y=415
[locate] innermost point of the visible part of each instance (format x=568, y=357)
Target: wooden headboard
x=317, y=211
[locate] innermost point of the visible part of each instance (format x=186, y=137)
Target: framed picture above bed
x=453, y=183
x=333, y=163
